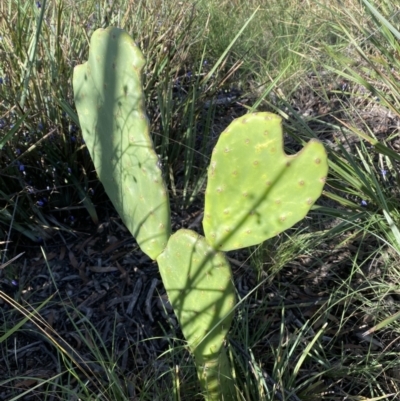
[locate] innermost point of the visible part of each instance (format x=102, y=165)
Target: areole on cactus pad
x=254, y=191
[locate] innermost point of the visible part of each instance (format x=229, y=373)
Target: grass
x=317, y=317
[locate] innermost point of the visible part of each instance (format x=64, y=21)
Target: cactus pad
x=200, y=288
x=110, y=104
x=255, y=191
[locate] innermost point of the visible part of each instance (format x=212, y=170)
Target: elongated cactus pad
x=255, y=191
x=110, y=104
x=199, y=286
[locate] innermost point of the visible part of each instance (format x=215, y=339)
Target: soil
x=95, y=279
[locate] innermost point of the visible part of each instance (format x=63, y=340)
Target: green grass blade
x=382, y=19
x=86, y=200
x=383, y=324
x=28, y=315
x=68, y=110
x=32, y=55
x=12, y=131
x=224, y=54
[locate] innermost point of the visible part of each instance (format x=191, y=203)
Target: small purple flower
x=38, y=5
x=2, y=123
x=73, y=138
x=205, y=62
x=364, y=203
x=1, y=81
x=72, y=218
x=383, y=172
x=40, y=126
x=189, y=74
x=40, y=203
x=21, y=167
x=69, y=170
x=17, y=151
x=14, y=282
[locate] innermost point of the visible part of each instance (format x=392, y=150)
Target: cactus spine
x=254, y=191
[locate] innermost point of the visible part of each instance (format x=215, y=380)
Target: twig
x=147, y=304
x=135, y=296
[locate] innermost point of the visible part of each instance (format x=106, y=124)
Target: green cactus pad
x=255, y=191
x=199, y=284
x=110, y=104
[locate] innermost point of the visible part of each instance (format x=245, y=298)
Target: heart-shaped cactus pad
x=255, y=190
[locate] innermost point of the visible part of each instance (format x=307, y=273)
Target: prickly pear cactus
x=198, y=281
x=110, y=103
x=255, y=191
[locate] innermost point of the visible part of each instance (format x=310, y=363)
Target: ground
x=94, y=288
